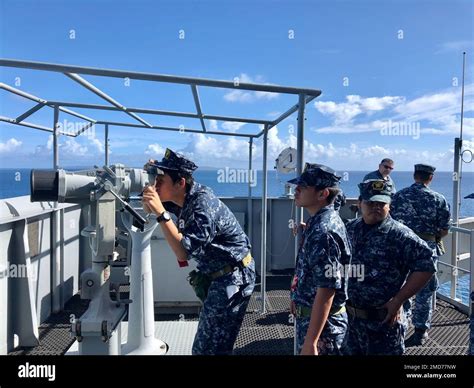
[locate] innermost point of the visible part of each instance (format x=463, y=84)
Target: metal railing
x=73, y=72
x=455, y=269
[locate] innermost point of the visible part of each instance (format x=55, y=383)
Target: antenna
x=462, y=93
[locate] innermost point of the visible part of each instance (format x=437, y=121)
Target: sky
x=390, y=73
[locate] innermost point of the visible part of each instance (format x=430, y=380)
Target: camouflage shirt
x=387, y=252
x=211, y=234
x=321, y=259
x=422, y=210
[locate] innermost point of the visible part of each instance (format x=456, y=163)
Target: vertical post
x=471, y=274
x=56, y=229
x=299, y=170
x=263, y=264
x=106, y=143
x=456, y=186
x=300, y=153
x=55, y=138
x=471, y=293
x=456, y=191
x=249, y=196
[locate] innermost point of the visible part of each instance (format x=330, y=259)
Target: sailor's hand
x=149, y=163
x=301, y=227
x=146, y=208
x=292, y=307
x=152, y=200
x=394, y=307
x=310, y=348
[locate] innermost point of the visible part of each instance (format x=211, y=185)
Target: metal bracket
x=78, y=330
x=105, y=332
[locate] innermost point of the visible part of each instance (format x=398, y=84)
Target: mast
x=456, y=190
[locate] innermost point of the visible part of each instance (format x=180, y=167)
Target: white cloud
x=237, y=95
x=71, y=147
x=454, y=46
x=84, y=146
x=10, y=145
x=436, y=113
x=154, y=150
x=213, y=125
x=345, y=112
x=232, y=126
x=373, y=126
x=49, y=144
x=99, y=146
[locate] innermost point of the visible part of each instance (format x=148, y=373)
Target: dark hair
x=177, y=175
x=422, y=175
x=333, y=192
x=386, y=160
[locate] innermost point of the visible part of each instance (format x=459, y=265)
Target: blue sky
x=383, y=67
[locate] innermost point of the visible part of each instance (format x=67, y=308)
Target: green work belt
x=200, y=282
x=229, y=268
x=369, y=314
x=305, y=311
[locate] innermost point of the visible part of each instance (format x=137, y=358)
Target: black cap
x=317, y=175
x=376, y=190
x=425, y=168
x=173, y=161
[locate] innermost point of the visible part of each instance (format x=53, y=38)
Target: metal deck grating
x=268, y=334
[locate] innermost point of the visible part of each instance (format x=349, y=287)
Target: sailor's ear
x=324, y=193
x=182, y=182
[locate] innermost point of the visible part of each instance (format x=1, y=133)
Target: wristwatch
x=165, y=216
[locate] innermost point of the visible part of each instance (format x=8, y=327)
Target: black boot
x=418, y=338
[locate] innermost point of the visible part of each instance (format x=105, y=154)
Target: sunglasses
x=388, y=167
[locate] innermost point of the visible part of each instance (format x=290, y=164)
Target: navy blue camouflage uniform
x=321, y=260
x=387, y=251
x=377, y=175
x=213, y=237
x=426, y=212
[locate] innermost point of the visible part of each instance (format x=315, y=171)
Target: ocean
x=16, y=182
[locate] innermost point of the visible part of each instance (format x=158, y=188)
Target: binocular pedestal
x=141, y=317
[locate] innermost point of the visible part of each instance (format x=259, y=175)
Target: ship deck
x=264, y=334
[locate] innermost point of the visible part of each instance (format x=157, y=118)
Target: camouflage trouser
x=423, y=304
x=331, y=338
x=367, y=337
x=221, y=318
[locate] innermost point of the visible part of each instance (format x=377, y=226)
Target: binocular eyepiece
x=44, y=185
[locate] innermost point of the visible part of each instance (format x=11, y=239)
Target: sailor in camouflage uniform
x=385, y=168
x=318, y=291
x=426, y=212
x=387, y=251
x=340, y=199
x=209, y=233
